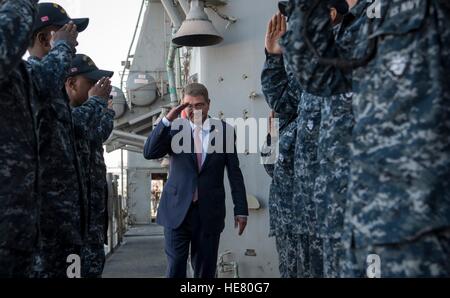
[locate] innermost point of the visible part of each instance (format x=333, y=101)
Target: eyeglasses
x=197, y=106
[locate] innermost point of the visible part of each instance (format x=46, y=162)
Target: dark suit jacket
x=184, y=176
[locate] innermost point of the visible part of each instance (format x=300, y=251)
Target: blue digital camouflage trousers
x=93, y=261
x=15, y=263
x=426, y=256
x=299, y=255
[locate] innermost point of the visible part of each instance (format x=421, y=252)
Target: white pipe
x=133, y=149
x=131, y=136
x=172, y=12
x=184, y=5
x=171, y=74
x=126, y=142
x=170, y=64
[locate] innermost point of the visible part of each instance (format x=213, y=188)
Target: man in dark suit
x=192, y=207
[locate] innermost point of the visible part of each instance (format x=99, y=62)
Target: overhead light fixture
x=197, y=30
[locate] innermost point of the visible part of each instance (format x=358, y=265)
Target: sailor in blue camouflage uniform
x=88, y=89
x=331, y=184
x=95, y=249
x=63, y=197
x=333, y=156
x=396, y=60
x=307, y=169
x=285, y=97
x=282, y=94
x=19, y=212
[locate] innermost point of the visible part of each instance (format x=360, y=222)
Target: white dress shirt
x=206, y=129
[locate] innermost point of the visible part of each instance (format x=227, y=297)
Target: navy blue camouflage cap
x=341, y=6
x=52, y=14
x=282, y=5
x=83, y=65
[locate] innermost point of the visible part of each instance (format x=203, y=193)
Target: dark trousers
x=15, y=263
x=92, y=260
x=204, y=248
x=53, y=256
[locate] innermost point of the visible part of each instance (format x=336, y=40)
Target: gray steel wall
x=242, y=55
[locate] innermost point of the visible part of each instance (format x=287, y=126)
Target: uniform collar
x=33, y=58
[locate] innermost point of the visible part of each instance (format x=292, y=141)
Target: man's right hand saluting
x=175, y=112
x=101, y=89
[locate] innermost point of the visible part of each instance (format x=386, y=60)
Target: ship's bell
x=197, y=30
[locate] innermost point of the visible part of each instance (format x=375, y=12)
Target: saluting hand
x=68, y=33
x=175, y=112
x=275, y=29
x=101, y=89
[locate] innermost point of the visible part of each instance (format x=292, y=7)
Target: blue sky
x=110, y=30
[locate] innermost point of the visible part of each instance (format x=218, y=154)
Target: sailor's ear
x=43, y=38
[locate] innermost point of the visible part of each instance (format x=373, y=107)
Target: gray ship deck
x=141, y=254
